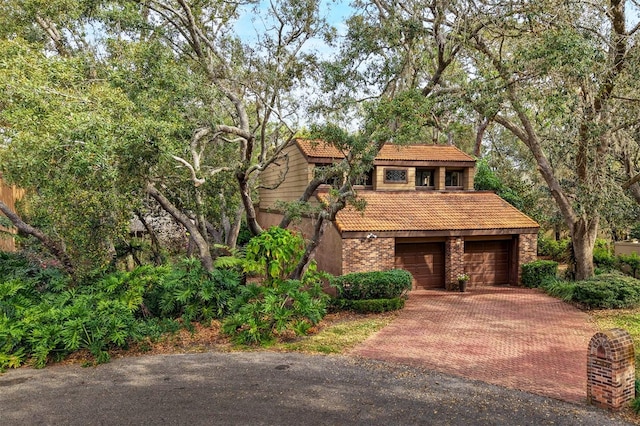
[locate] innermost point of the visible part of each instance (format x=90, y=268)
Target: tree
x=550, y=73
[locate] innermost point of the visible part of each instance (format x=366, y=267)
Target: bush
x=189, y=292
x=373, y=285
x=534, y=274
x=369, y=305
x=630, y=261
x=264, y=313
x=555, y=249
x=603, y=258
x=43, y=318
x=559, y=288
x=608, y=291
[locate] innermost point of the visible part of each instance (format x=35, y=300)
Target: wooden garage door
x=425, y=261
x=487, y=262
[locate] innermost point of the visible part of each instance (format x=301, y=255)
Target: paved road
x=264, y=388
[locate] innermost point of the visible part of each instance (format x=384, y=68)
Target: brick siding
x=368, y=254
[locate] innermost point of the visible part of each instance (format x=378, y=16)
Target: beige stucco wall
x=298, y=174
x=626, y=248
x=380, y=185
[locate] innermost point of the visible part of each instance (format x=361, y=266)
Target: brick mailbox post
x=611, y=369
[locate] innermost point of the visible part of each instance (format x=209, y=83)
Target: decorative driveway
x=514, y=337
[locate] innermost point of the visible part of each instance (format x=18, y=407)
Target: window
x=453, y=178
x=395, y=175
x=424, y=177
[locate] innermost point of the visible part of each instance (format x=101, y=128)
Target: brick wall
x=368, y=254
x=454, y=261
x=611, y=369
x=527, y=251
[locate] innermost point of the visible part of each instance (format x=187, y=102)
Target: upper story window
x=453, y=178
x=425, y=177
x=395, y=175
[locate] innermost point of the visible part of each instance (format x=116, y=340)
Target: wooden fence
x=8, y=195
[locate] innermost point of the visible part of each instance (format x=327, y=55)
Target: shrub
x=189, y=292
x=369, y=305
x=603, y=258
x=559, y=288
x=630, y=261
x=555, y=249
x=534, y=274
x=262, y=313
x=608, y=291
x=373, y=285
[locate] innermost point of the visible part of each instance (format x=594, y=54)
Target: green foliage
x=264, y=313
x=373, y=285
x=559, y=288
x=274, y=253
x=486, y=179
x=556, y=249
x=190, y=292
x=608, y=291
x=42, y=318
x=369, y=305
x=630, y=261
x=534, y=274
x=603, y=256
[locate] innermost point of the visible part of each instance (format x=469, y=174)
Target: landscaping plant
x=277, y=307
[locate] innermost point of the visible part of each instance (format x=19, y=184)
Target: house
x=422, y=214
x=8, y=195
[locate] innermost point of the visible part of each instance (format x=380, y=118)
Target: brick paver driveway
x=515, y=337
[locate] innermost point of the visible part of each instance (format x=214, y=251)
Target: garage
x=487, y=262
x=425, y=261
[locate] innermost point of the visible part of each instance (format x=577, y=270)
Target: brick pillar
x=527, y=251
x=611, y=369
x=453, y=261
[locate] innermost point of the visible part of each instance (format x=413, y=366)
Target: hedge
x=373, y=285
x=370, y=305
x=534, y=274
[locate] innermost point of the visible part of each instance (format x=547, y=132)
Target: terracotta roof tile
x=431, y=211
x=320, y=149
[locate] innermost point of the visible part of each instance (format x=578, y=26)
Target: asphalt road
x=265, y=388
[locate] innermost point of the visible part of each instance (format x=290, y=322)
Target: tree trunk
x=583, y=237
x=201, y=243
x=55, y=248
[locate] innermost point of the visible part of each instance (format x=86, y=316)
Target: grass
x=339, y=335
x=628, y=319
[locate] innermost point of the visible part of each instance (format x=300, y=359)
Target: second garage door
x=487, y=262
x=425, y=261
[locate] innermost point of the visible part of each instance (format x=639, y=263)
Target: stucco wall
x=626, y=247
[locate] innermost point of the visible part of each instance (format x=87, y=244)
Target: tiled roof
x=431, y=211
x=320, y=149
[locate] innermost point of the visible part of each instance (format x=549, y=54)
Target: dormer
x=423, y=168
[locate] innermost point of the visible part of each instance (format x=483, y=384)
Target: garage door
x=425, y=261
x=487, y=262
